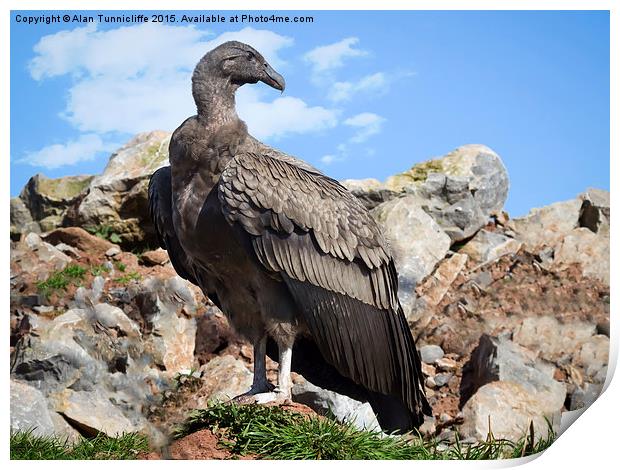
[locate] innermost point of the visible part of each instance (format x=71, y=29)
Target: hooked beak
x=272, y=78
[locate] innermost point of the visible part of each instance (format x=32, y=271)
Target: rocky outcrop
x=417, y=243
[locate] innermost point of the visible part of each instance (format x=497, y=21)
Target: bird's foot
x=249, y=396
x=276, y=397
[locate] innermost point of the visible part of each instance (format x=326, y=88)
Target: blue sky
x=368, y=93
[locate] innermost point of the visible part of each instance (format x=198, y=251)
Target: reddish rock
x=157, y=257
x=79, y=238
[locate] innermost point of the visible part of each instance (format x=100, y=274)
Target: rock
x=588, y=249
x=595, y=210
x=546, y=226
x=509, y=408
x=68, y=250
x=447, y=364
x=47, y=201
x=370, y=192
x=112, y=252
x=487, y=246
x=46, y=253
x=417, y=243
x=499, y=359
x=118, y=198
x=29, y=410
x=430, y=353
x=584, y=396
x=442, y=379
x=168, y=307
x=550, y=338
x=21, y=219
x=345, y=409
x=157, y=257
x=80, y=239
x=461, y=190
x=433, y=289
x=225, y=377
x=92, y=413
x=113, y=317
x=593, y=357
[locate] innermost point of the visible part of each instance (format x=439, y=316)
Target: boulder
x=21, y=219
x=91, y=412
x=460, y=190
x=499, y=359
x=487, y=246
x=29, y=410
x=80, y=239
x=584, y=396
x=595, y=210
x=417, y=243
x=157, y=257
x=551, y=339
x=168, y=306
x=506, y=409
x=225, y=377
x=430, y=353
x=548, y=225
x=343, y=408
x=590, y=250
x=370, y=192
x=593, y=357
x=52, y=196
x=117, y=199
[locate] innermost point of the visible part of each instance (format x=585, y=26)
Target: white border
x=588, y=444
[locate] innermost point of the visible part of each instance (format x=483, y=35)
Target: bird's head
x=237, y=64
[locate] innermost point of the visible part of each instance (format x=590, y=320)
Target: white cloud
x=367, y=124
x=328, y=159
x=325, y=58
x=344, y=91
x=138, y=78
x=282, y=116
x=85, y=148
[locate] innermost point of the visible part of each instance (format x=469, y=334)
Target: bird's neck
x=215, y=102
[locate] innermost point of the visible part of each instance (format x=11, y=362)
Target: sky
x=368, y=94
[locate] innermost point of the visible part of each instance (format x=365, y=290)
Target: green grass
x=60, y=280
x=99, y=270
x=273, y=433
x=104, y=231
x=120, y=266
x=26, y=446
x=125, y=279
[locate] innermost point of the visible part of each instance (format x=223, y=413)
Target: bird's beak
x=272, y=78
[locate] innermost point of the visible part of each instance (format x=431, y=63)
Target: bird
x=295, y=262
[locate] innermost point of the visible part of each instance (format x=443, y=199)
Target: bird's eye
x=250, y=55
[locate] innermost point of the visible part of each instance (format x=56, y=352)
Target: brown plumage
x=286, y=252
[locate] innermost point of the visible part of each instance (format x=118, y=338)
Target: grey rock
x=369, y=191
x=430, y=353
x=417, y=243
x=460, y=190
x=21, y=219
x=46, y=253
x=117, y=198
x=499, y=359
x=345, y=409
x=584, y=396
x=509, y=409
x=487, y=246
x=29, y=410
x=92, y=413
x=593, y=357
x=442, y=379
x=112, y=252
x=168, y=307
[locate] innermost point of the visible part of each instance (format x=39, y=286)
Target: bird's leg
x=260, y=384
x=282, y=393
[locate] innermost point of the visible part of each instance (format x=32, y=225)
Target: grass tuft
x=60, y=280
x=274, y=433
x=27, y=446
